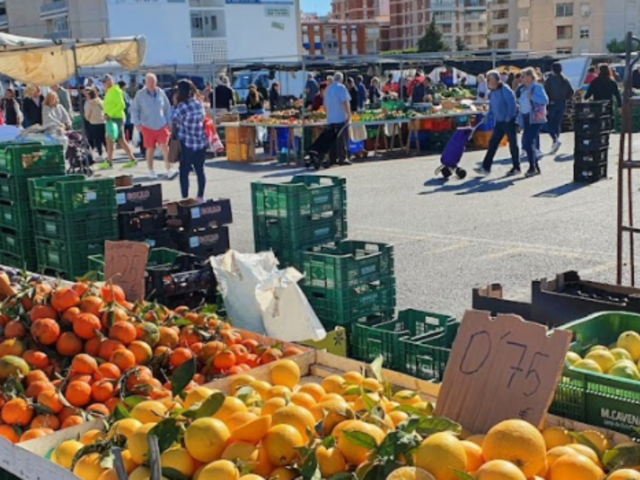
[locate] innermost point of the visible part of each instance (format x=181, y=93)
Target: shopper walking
x=362, y=92
x=188, y=116
x=94, y=117
x=151, y=114
x=64, y=98
x=503, y=108
x=337, y=104
x=559, y=91
x=591, y=76
x=533, y=101
x=12, y=114
x=32, y=106
x=54, y=114
x=114, y=113
x=604, y=88
x=223, y=95
x=310, y=90
x=128, y=102
x=353, y=94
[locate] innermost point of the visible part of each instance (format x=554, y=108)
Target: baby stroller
x=453, y=152
x=317, y=153
x=79, y=154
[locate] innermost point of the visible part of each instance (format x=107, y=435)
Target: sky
x=321, y=7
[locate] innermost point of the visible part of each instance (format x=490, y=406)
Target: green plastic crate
x=21, y=262
x=74, y=227
x=18, y=244
x=16, y=216
x=30, y=159
x=370, y=341
x=72, y=194
x=593, y=398
x=14, y=189
x=349, y=263
x=67, y=260
x=304, y=197
x=426, y=356
x=345, y=307
x=157, y=256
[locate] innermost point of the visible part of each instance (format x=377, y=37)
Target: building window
x=585, y=9
x=524, y=34
x=564, y=51
x=204, y=24
x=61, y=24
x=564, y=10
x=565, y=33
x=585, y=32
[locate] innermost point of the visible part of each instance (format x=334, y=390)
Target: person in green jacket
x=114, y=112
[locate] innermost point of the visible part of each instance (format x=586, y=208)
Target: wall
x=263, y=29
x=88, y=18
x=166, y=26
x=24, y=18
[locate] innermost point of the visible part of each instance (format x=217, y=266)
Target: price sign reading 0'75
x=501, y=368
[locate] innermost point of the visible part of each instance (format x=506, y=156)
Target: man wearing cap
x=151, y=114
x=114, y=112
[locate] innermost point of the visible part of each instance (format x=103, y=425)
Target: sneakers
x=482, y=171
x=152, y=175
x=106, y=165
x=555, y=147
x=532, y=172
x=200, y=199
x=171, y=174
x=514, y=171
x=129, y=164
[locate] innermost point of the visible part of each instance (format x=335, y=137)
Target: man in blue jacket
x=503, y=108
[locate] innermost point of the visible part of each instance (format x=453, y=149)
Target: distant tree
x=460, y=45
x=617, y=46
x=432, y=40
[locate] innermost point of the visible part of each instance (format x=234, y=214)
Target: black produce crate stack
x=20, y=162
x=142, y=217
x=72, y=218
x=593, y=125
x=568, y=124
x=200, y=229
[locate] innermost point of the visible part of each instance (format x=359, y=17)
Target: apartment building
x=178, y=31
x=561, y=26
x=354, y=10
x=323, y=38
x=466, y=19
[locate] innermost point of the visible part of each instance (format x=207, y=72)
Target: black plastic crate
x=597, y=157
x=585, y=110
x=133, y=225
x=186, y=275
x=595, y=126
x=74, y=227
x=190, y=214
x=205, y=242
x=586, y=173
x=591, y=142
x=139, y=197
x=160, y=239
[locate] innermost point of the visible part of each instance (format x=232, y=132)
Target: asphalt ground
x=451, y=236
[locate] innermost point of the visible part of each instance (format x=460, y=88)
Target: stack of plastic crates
x=291, y=217
x=418, y=343
x=593, y=124
x=72, y=217
x=18, y=163
x=349, y=282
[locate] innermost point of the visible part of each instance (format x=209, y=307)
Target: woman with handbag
x=188, y=118
x=533, y=101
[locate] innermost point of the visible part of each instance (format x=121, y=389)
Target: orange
x=211, y=349
x=36, y=359
x=17, y=412
x=70, y=314
x=102, y=390
x=440, y=454
x=36, y=388
x=72, y=421
x=80, y=288
x=92, y=346
x=45, y=330
x=63, y=298
x=92, y=305
x=113, y=316
x=292, y=352
x=224, y=360
x=569, y=467
x=179, y=356
x=252, y=431
x=499, y=469
x=45, y=421
x=12, y=346
x=474, y=456
x=270, y=355
x=206, y=439
x=299, y=418
x=281, y=443
x=624, y=474
x=108, y=348
x=141, y=351
x=86, y=326
x=51, y=400
x=68, y=344
x=112, y=293
x=123, y=359
x=67, y=412
x=168, y=337
x=78, y=393
x=98, y=409
x=107, y=371
x=285, y=373
x=15, y=329
x=42, y=311
x=313, y=389
x=330, y=461
x=9, y=433
x=34, y=433
x=84, y=364
x=35, y=376
x=141, y=377
x=124, y=332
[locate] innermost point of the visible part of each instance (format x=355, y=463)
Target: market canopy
x=47, y=62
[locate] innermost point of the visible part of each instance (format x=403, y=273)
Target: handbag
x=213, y=139
x=538, y=113
x=175, y=149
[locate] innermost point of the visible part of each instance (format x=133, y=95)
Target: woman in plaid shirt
x=189, y=115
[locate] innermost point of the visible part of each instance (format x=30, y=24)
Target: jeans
x=531, y=131
x=501, y=129
x=191, y=158
x=555, y=114
x=340, y=149
x=96, y=135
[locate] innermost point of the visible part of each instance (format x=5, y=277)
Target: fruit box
x=595, y=398
x=28, y=460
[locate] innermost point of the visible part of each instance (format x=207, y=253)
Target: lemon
x=625, y=369
x=572, y=357
x=620, y=354
x=630, y=341
x=603, y=358
x=588, y=365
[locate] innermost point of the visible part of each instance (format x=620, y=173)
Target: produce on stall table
x=621, y=360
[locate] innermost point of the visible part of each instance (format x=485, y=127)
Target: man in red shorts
x=151, y=114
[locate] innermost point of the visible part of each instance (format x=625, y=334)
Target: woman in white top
x=483, y=89
x=53, y=113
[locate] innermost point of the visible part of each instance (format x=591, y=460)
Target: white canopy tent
x=47, y=62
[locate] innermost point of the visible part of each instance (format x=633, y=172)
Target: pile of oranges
x=68, y=353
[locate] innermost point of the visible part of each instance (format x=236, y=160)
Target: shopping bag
x=175, y=149
x=215, y=144
x=357, y=133
x=112, y=130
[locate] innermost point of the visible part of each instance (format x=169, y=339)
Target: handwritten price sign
x=124, y=265
x=501, y=368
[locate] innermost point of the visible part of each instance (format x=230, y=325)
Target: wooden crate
x=26, y=460
x=241, y=152
x=240, y=135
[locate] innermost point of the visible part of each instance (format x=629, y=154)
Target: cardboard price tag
x=501, y=368
x=124, y=265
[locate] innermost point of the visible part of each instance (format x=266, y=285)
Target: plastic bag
x=286, y=313
x=357, y=133
x=112, y=130
x=212, y=136
x=238, y=277
x=135, y=141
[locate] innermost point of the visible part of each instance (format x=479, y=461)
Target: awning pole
x=80, y=99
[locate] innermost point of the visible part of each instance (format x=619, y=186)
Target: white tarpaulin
x=46, y=62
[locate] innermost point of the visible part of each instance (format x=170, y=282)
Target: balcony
x=498, y=36
x=58, y=35
x=54, y=9
x=209, y=50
